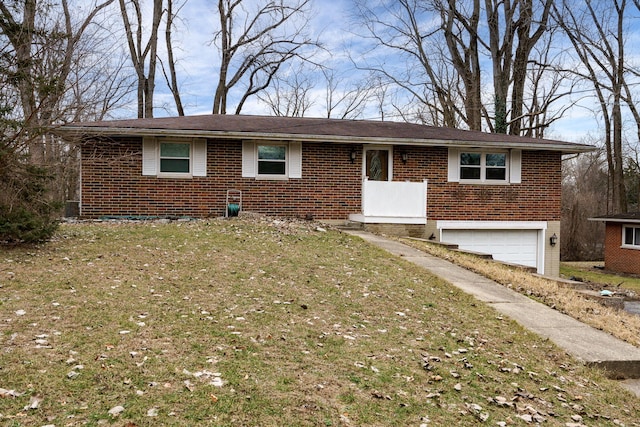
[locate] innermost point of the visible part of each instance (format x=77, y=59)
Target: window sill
x=632, y=247
x=272, y=178
x=474, y=182
x=175, y=175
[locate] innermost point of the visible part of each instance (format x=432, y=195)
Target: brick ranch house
x=621, y=242
x=489, y=193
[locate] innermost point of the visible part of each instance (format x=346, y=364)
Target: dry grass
x=266, y=323
x=616, y=322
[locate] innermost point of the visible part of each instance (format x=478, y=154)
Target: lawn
x=265, y=322
x=587, y=272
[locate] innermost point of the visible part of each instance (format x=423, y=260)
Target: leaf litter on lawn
x=261, y=321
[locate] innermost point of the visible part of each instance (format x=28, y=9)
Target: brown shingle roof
x=332, y=130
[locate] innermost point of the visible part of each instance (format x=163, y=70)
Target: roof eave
x=79, y=132
x=621, y=220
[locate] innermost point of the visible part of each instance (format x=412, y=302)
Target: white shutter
x=454, y=165
x=515, y=167
x=200, y=157
x=295, y=160
x=249, y=162
x=149, y=156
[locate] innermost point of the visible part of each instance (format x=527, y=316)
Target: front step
x=351, y=225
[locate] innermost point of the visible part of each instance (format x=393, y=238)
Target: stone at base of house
x=402, y=230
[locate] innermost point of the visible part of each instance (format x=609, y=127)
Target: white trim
x=386, y=219
x=149, y=157
x=249, y=159
x=618, y=220
x=566, y=148
x=199, y=157
x=178, y=175
x=375, y=147
x=483, y=167
x=292, y=162
x=622, y=240
x=539, y=226
x=515, y=166
x=453, y=174
x=294, y=159
x=285, y=175
x=491, y=225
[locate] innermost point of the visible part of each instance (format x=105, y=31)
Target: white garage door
x=512, y=246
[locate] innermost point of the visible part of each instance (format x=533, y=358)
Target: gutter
x=81, y=132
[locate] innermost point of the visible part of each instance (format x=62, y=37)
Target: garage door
x=512, y=246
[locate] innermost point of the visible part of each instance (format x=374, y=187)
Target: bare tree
x=144, y=54
x=584, y=181
x=44, y=41
x=254, y=40
x=515, y=27
x=290, y=94
x=443, y=43
x=58, y=64
x=344, y=100
x=169, y=70
x=460, y=30
x=423, y=68
x=596, y=32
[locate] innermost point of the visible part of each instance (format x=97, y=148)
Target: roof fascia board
x=72, y=131
x=621, y=220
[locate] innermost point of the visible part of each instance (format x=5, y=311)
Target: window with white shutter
x=174, y=158
x=271, y=160
x=484, y=166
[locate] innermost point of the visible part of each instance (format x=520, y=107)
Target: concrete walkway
x=594, y=347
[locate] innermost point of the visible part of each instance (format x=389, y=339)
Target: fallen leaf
x=379, y=395
x=526, y=417
x=116, y=410
x=34, y=402
x=9, y=393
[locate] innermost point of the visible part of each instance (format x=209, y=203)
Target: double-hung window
x=631, y=236
x=272, y=160
x=175, y=158
x=483, y=166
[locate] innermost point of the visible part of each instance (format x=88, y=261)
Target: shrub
x=26, y=213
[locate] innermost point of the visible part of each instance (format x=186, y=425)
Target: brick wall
x=112, y=184
x=617, y=258
x=537, y=198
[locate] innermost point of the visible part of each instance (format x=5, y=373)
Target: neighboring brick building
x=491, y=193
x=622, y=242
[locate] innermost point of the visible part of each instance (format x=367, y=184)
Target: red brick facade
x=330, y=187
x=616, y=257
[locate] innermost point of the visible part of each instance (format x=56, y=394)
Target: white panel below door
x=512, y=246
